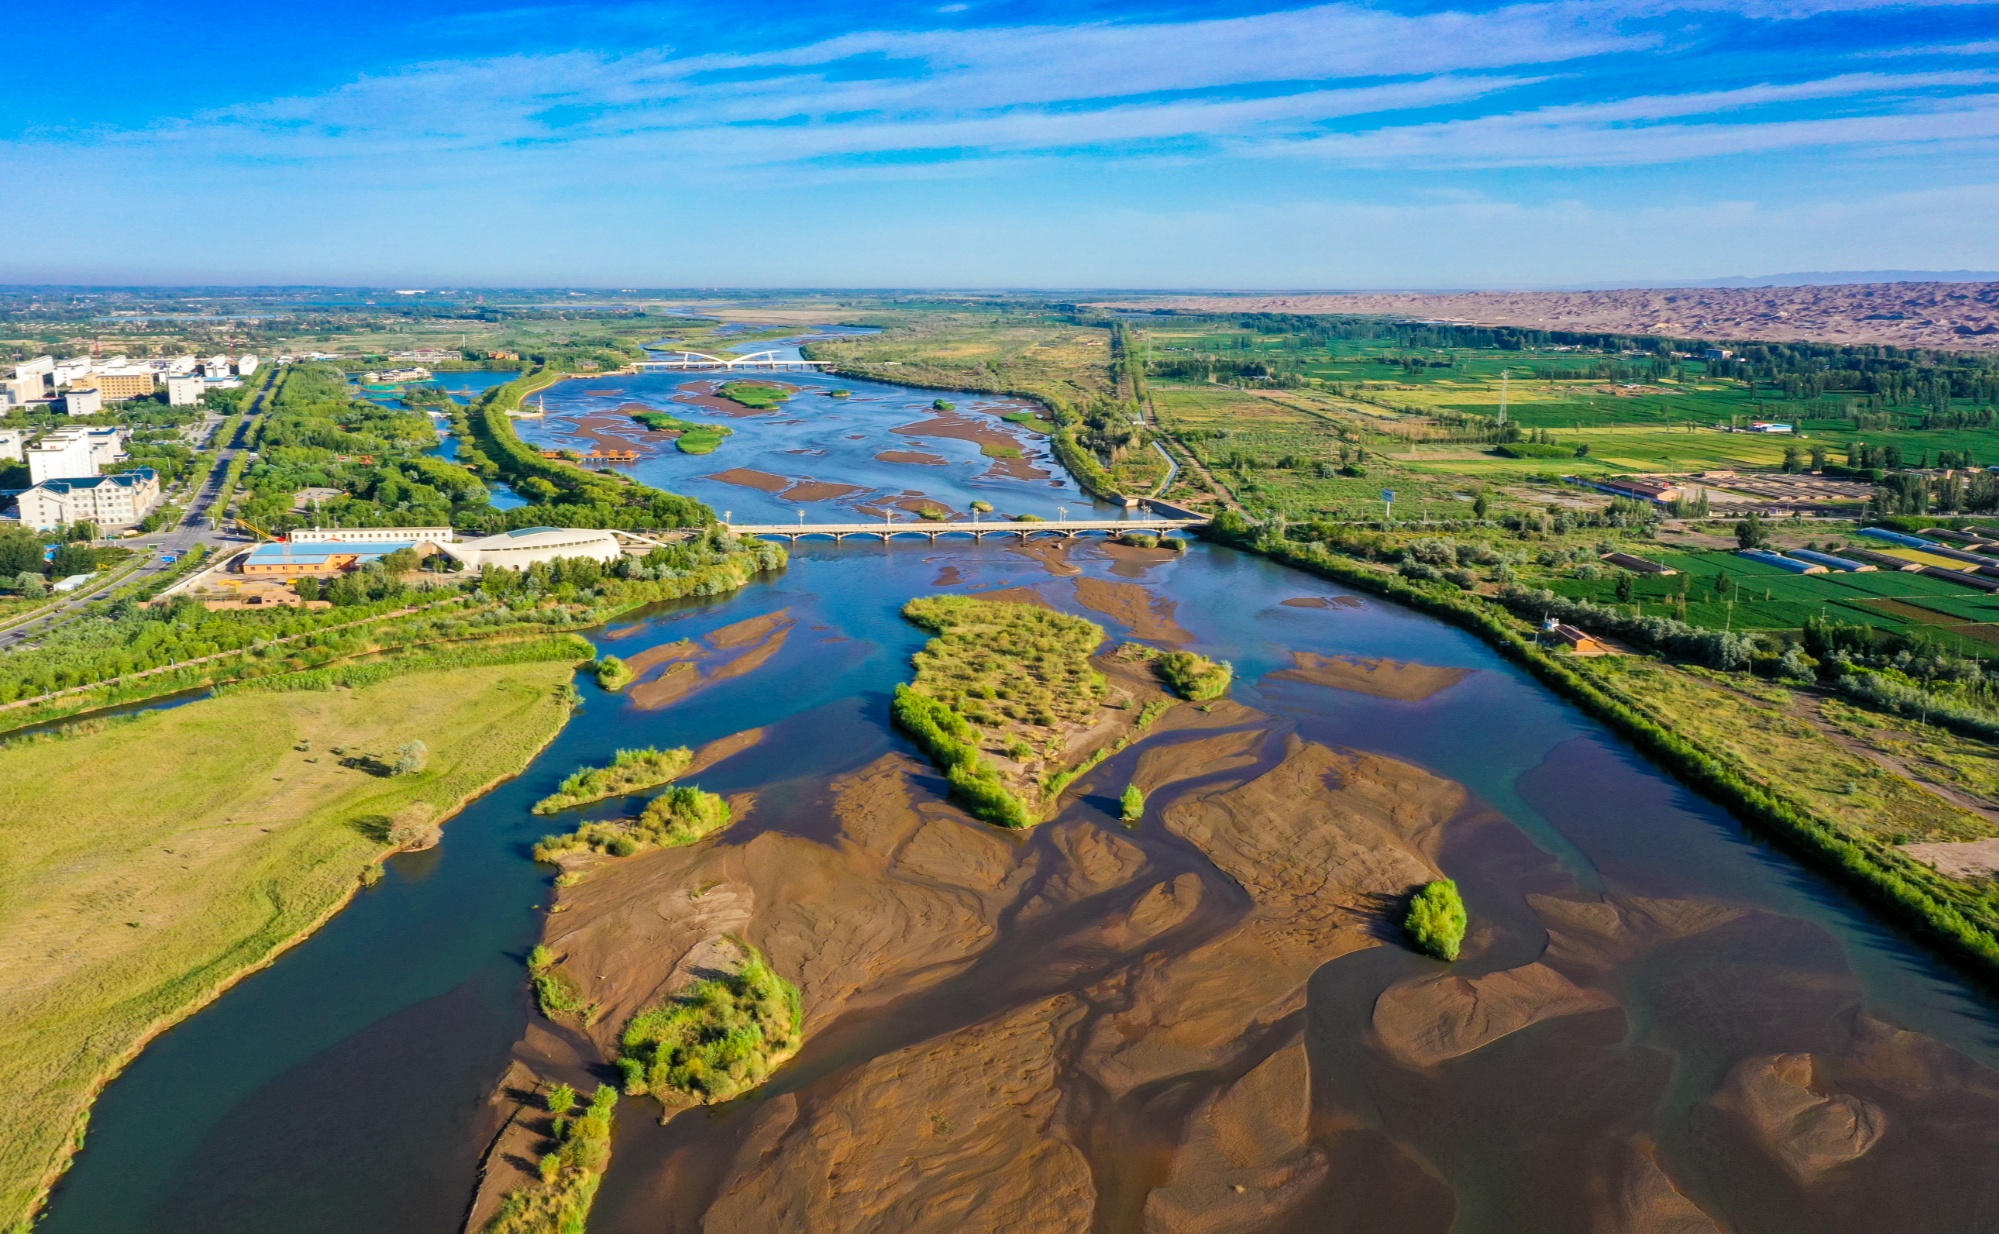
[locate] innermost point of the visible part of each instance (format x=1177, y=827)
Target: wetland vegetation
x=579, y=1149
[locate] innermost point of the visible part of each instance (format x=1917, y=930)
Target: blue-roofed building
x=279, y=559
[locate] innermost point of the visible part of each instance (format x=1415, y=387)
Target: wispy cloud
x=1341, y=83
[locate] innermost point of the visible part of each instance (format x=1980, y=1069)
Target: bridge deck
x=978, y=531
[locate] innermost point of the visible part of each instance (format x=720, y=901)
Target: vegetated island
x=754, y=394
x=722, y=1036
x=630, y=771
x=578, y=1150
x=680, y=815
x=691, y=437
x=1012, y=702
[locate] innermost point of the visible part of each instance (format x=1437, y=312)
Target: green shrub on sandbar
x=630, y=771
x=612, y=673
x=1195, y=677
x=1133, y=803
x=721, y=1037
x=680, y=815
x=1436, y=920
x=952, y=743
x=560, y=1202
x=556, y=993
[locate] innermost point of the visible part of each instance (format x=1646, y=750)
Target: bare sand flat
x=1398, y=679
x=820, y=490
x=744, y=477
x=1965, y=859
x=1146, y=613
x=1321, y=602
x=912, y=456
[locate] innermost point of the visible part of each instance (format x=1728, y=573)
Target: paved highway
x=178, y=540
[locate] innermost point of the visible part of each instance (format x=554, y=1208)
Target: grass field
x=1763, y=726
x=146, y=865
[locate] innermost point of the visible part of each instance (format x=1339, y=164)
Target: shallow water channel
x=346, y=1087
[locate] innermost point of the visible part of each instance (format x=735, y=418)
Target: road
x=178, y=540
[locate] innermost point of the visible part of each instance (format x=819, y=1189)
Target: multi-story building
x=19, y=391
x=185, y=390
x=70, y=372
x=246, y=364
x=124, y=381
x=13, y=444
x=82, y=400
x=216, y=366
x=60, y=456
x=181, y=365
x=108, y=501
x=40, y=366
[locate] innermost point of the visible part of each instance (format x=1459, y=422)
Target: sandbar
x=1397, y=679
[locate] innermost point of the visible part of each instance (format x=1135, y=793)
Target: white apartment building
x=13, y=444
x=20, y=390
x=246, y=364
x=184, y=390
x=181, y=365
x=69, y=372
x=82, y=400
x=215, y=366
x=40, y=366
x=108, y=501
x=60, y=456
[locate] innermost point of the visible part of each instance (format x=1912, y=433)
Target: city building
x=82, y=400
x=60, y=456
x=517, y=550
x=108, y=501
x=13, y=445
x=401, y=536
x=185, y=390
x=20, y=391
x=41, y=367
x=70, y=372
x=282, y=559
x=246, y=364
x=216, y=366
x=123, y=381
x=181, y=366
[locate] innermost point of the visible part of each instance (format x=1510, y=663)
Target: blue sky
x=976, y=144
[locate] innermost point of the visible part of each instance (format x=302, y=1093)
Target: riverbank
x=1951, y=915
x=234, y=828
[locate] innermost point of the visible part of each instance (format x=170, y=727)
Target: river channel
x=347, y=1086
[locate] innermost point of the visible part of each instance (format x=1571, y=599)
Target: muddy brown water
x=1206, y=1022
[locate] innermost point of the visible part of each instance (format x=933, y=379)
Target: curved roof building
x=517, y=550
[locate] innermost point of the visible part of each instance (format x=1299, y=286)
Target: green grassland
x=230, y=829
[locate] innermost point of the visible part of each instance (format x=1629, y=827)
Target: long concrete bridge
x=696, y=361
x=886, y=530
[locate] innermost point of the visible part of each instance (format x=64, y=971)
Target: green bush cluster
x=718, y=1039
x=570, y=1171
x=629, y=772
x=1132, y=803
x=1436, y=920
x=680, y=815
x=612, y=673
x=1194, y=676
x=555, y=992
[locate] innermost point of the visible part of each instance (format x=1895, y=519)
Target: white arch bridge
x=931, y=530
x=759, y=361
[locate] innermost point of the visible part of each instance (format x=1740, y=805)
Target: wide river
x=346, y=1087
